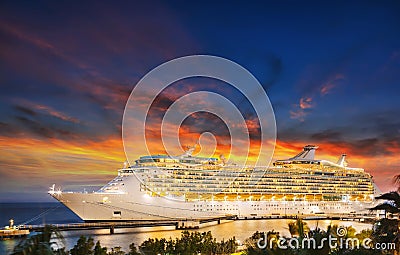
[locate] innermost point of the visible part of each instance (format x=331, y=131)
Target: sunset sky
x=330, y=69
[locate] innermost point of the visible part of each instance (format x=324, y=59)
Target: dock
x=112, y=225
x=12, y=231
x=178, y=223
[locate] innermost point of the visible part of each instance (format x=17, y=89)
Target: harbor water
x=55, y=213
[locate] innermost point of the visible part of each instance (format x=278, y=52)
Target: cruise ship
x=163, y=187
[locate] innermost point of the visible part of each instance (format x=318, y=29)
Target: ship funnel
x=342, y=160
x=307, y=153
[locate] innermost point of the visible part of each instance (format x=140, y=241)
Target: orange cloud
x=300, y=113
x=107, y=149
x=30, y=165
x=305, y=103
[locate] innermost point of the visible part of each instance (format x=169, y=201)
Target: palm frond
x=396, y=180
x=387, y=207
x=391, y=196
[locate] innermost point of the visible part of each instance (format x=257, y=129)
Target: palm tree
x=133, y=250
x=393, y=204
x=298, y=228
x=388, y=230
x=252, y=243
x=393, y=199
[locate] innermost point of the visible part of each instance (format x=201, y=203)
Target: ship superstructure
x=161, y=187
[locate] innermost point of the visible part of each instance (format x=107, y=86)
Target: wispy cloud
x=52, y=112
x=302, y=108
x=298, y=114
x=330, y=84
x=32, y=108
x=40, y=43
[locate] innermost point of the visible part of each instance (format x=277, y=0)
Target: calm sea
x=56, y=213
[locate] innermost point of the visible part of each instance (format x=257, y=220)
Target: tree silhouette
x=98, y=250
x=133, y=250
x=84, y=246
x=41, y=243
x=189, y=243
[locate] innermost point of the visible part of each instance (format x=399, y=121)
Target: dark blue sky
x=331, y=71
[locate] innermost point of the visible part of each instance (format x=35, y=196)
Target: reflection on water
x=7, y=245
x=241, y=229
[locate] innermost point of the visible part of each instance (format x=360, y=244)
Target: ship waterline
x=162, y=187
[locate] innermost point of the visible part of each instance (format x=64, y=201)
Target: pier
x=112, y=225
x=185, y=223
x=11, y=231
